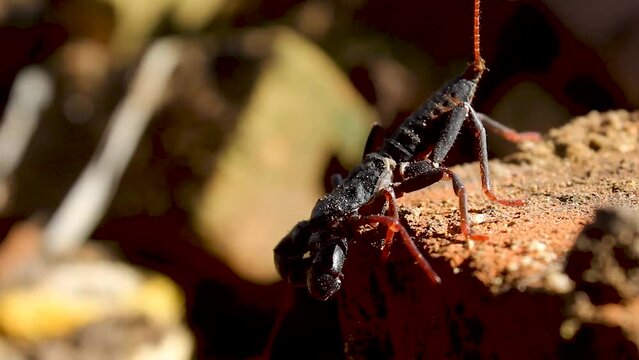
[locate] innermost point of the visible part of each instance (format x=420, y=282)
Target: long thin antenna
x=479, y=62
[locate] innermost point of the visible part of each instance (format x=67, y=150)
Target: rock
x=535, y=289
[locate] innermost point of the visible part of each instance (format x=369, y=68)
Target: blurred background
x=152, y=153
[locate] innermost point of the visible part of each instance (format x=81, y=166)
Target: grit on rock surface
x=510, y=296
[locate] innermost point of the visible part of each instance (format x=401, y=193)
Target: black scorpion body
x=416, y=132
x=314, y=252
x=326, y=234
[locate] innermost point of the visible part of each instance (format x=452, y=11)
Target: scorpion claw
x=324, y=276
x=323, y=286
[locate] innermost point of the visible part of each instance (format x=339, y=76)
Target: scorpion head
x=313, y=259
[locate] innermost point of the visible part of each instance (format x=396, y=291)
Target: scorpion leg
x=457, y=117
x=336, y=179
x=289, y=255
x=373, y=143
x=391, y=200
x=284, y=308
x=480, y=133
x=506, y=132
x=375, y=139
x=420, y=174
x=396, y=227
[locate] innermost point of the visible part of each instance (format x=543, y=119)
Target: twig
x=86, y=202
x=31, y=93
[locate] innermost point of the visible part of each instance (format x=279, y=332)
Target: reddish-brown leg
x=285, y=307
x=506, y=132
x=464, y=223
x=396, y=227
x=391, y=200
x=480, y=133
x=421, y=174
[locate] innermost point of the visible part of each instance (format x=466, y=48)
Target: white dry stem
x=31, y=93
x=85, y=204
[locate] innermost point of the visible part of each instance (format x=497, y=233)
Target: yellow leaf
x=301, y=110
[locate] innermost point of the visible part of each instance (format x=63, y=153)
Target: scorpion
x=314, y=252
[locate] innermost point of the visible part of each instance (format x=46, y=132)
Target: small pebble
x=526, y=260
x=479, y=218
x=537, y=246
x=568, y=328
x=512, y=267
x=470, y=244
x=559, y=282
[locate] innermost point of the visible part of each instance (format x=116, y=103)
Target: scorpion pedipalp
x=324, y=276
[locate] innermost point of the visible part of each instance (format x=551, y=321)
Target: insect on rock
x=315, y=250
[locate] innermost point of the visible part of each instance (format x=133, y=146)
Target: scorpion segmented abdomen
x=423, y=127
x=411, y=135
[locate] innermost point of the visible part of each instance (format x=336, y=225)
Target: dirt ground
x=536, y=288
